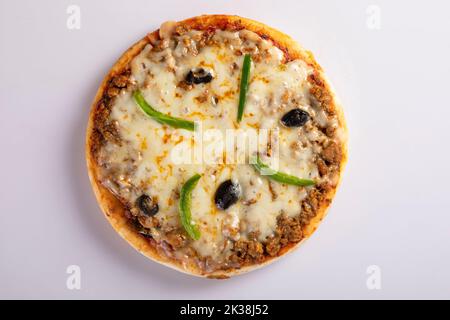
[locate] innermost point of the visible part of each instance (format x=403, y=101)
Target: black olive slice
x=147, y=206
x=197, y=76
x=227, y=194
x=295, y=118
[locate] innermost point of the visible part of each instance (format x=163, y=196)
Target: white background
x=392, y=209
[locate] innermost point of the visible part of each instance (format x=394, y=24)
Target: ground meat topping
x=176, y=239
x=108, y=129
x=332, y=153
x=246, y=251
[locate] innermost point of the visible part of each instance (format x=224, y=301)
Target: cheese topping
x=144, y=161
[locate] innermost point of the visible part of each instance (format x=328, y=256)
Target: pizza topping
x=247, y=250
x=227, y=194
x=243, y=88
x=147, y=206
x=161, y=117
x=176, y=239
x=120, y=81
x=166, y=29
x=140, y=229
x=198, y=76
x=332, y=153
x=295, y=118
x=280, y=176
x=185, y=207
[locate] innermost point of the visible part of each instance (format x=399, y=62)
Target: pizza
x=196, y=83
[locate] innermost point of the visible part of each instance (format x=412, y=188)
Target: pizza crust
x=113, y=209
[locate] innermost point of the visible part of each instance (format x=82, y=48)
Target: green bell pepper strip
x=185, y=207
x=279, y=176
x=161, y=117
x=244, y=85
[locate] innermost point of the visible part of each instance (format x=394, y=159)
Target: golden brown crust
x=113, y=209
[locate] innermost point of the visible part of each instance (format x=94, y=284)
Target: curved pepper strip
x=185, y=207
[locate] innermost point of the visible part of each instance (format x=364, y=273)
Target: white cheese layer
x=275, y=88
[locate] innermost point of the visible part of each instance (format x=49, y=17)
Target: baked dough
x=235, y=240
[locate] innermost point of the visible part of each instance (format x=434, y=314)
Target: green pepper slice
x=280, y=176
x=161, y=117
x=245, y=76
x=185, y=207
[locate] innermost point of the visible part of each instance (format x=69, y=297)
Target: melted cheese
x=147, y=155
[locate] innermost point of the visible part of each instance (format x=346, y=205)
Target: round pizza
x=215, y=145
